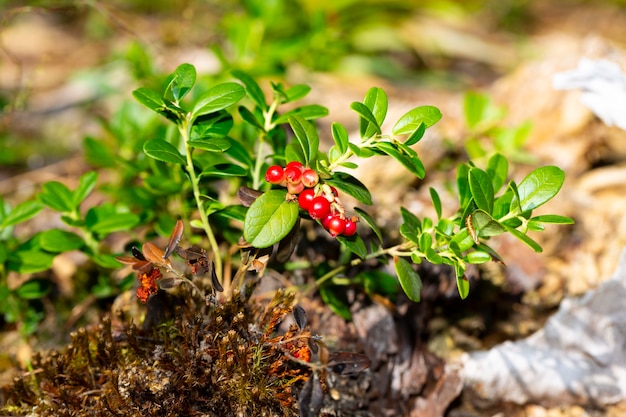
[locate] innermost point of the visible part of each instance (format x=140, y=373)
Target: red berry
x=293, y=173
x=326, y=220
x=295, y=188
x=336, y=226
x=305, y=198
x=274, y=174
x=310, y=178
x=296, y=164
x=320, y=207
x=350, y=228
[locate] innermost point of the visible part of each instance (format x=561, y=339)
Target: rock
x=578, y=357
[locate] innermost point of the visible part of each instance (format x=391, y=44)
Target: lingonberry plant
x=283, y=181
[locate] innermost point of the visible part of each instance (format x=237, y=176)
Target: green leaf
x=370, y=222
x=378, y=282
x=269, y=219
x=539, y=187
x=307, y=137
x=340, y=136
x=85, y=186
x=498, y=169
x=212, y=125
x=29, y=261
x=462, y=283
x=462, y=183
x=416, y=136
x=251, y=118
x=553, y=218
x=367, y=120
x=461, y=242
x=525, y=238
x=238, y=153
x=218, y=98
x=481, y=188
x=97, y=154
x=474, y=108
x=434, y=196
x=375, y=100
x=22, y=212
x=106, y=219
x=225, y=170
x=179, y=83
x=33, y=289
x=354, y=244
x=411, y=121
x=351, y=186
x=163, y=151
x=57, y=196
x=485, y=225
x=297, y=92
x=308, y=112
x=210, y=144
x=253, y=89
x=410, y=280
x=337, y=304
x=56, y=241
x=149, y=98
x=405, y=155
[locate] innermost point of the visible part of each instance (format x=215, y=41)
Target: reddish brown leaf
x=175, y=237
x=153, y=253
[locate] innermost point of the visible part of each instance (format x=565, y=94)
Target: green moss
x=224, y=360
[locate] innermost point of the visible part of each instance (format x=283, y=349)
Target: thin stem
x=267, y=126
x=396, y=250
x=184, y=129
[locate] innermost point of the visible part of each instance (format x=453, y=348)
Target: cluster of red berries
x=321, y=201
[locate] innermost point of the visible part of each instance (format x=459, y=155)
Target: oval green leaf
x=351, y=186
x=269, y=219
x=163, y=151
x=22, y=212
x=411, y=121
x=211, y=144
x=410, y=280
x=56, y=241
x=539, y=187
x=29, y=261
x=57, y=196
x=217, y=98
x=482, y=189
x=33, y=289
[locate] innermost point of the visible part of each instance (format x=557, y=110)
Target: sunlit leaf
x=411, y=121
x=482, y=189
x=269, y=219
x=351, y=186
x=22, y=212
x=539, y=187
x=218, y=98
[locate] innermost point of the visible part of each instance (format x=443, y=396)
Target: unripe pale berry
x=296, y=188
x=293, y=174
x=310, y=178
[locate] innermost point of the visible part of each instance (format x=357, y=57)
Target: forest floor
x=410, y=345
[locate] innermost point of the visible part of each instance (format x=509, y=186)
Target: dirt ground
x=42, y=59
